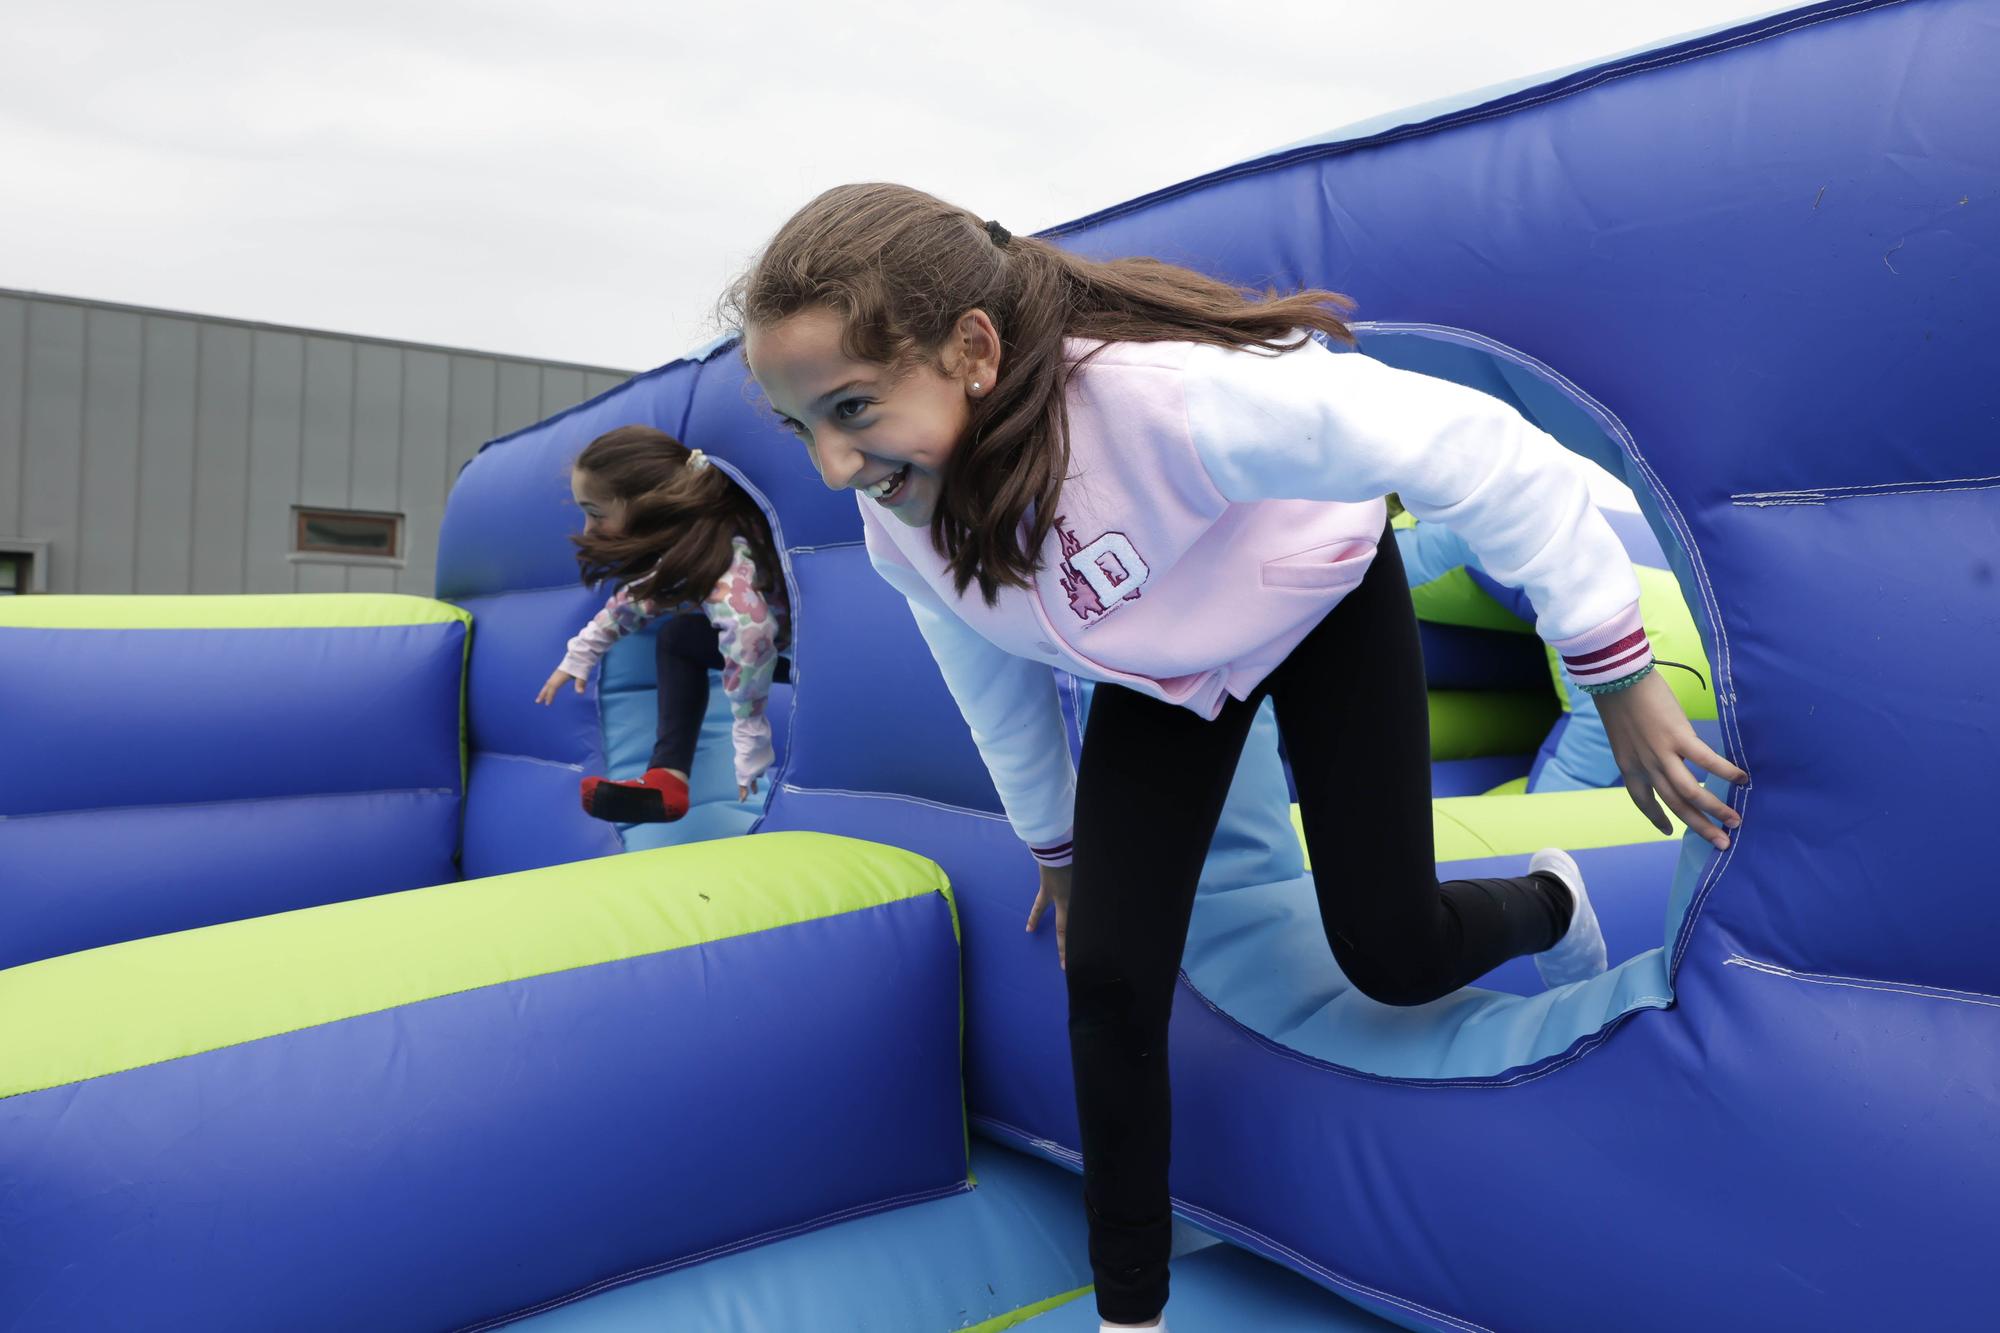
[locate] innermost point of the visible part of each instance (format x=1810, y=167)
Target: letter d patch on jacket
x=1099, y=577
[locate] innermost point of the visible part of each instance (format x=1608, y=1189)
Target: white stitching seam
x=1873, y=490
x=797, y=790
x=1910, y=988
x=527, y=759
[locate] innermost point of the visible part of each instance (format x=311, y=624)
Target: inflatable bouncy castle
x=322, y=1004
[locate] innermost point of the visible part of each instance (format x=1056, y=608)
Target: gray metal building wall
x=159, y=452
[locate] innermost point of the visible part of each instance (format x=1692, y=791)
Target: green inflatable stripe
x=1519, y=825
x=1466, y=724
x=1021, y=1316
x=85, y=1015
x=331, y=610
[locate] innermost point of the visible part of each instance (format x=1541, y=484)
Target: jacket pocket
x=1334, y=565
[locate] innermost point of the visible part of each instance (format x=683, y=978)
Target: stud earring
x=975, y=386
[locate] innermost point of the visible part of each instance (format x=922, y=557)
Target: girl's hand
x=744, y=793
x=547, y=695
x=1055, y=889
x=1650, y=736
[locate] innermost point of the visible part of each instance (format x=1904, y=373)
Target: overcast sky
x=577, y=181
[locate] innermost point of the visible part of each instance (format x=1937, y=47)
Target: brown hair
x=679, y=521
x=900, y=268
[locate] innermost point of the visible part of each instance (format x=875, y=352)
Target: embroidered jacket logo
x=1101, y=576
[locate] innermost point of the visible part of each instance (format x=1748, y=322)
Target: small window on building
x=24, y=567
x=347, y=532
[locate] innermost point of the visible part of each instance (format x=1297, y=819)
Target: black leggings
x=1353, y=714
x=684, y=652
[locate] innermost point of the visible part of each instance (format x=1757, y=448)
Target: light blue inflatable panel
x=1222, y=1287
x=1015, y=1240
x=629, y=695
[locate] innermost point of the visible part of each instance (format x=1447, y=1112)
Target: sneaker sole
x=625, y=805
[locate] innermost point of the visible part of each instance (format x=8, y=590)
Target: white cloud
x=578, y=182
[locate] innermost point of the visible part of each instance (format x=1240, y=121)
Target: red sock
x=657, y=798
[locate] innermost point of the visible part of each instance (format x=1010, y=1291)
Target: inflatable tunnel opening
x=630, y=719
x=1256, y=950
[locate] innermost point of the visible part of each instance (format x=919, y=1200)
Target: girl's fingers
x=1682, y=784
x=1035, y=912
x=1641, y=792
x=579, y=683
x=1693, y=814
x=1706, y=801
x=1716, y=764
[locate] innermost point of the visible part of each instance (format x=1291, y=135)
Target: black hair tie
x=999, y=234
x=1661, y=661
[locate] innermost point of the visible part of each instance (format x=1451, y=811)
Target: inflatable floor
x=323, y=1005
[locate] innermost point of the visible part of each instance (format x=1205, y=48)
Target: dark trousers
x=684, y=652
x=1352, y=711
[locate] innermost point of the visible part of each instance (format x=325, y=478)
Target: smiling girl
x=1159, y=483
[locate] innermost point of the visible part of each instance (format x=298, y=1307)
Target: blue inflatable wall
x=1755, y=273
x=174, y=762
x=1762, y=265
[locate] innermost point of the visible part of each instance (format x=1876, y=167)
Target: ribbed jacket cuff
x=1057, y=853
x=1614, y=650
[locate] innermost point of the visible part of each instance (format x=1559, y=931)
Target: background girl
x=1160, y=483
x=679, y=536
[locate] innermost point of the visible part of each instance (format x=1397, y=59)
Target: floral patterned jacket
x=751, y=630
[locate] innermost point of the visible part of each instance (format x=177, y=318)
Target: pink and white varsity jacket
x=1220, y=503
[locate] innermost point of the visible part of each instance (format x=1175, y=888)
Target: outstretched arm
x=1316, y=424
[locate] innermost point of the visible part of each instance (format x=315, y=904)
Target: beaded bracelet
x=1622, y=683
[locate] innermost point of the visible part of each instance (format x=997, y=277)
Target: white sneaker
x=1161, y=1327
x=1579, y=955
